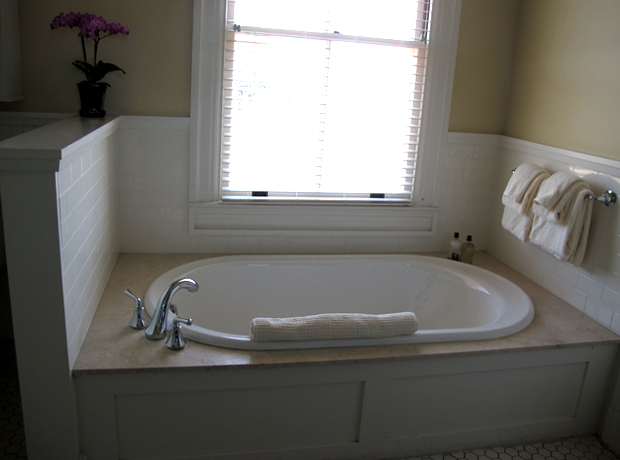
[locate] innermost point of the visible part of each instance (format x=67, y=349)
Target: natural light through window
x=323, y=99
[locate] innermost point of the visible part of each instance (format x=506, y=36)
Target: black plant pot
x=92, y=96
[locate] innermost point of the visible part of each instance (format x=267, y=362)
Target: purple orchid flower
x=95, y=28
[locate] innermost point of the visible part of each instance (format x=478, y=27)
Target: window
x=323, y=99
x=232, y=208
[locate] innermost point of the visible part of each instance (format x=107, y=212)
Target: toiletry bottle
x=467, y=251
x=454, y=253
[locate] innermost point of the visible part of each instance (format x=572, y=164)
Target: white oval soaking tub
x=451, y=300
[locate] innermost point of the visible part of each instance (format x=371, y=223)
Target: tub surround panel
x=60, y=231
x=367, y=409
x=218, y=421
x=482, y=407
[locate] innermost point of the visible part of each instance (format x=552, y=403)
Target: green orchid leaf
x=109, y=67
x=83, y=64
x=81, y=67
x=101, y=69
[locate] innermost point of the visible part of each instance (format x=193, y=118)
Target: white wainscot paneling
x=354, y=410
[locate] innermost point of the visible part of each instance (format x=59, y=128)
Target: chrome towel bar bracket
x=608, y=198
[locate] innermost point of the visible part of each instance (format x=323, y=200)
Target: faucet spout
x=157, y=328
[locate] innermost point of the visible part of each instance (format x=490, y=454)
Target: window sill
x=269, y=219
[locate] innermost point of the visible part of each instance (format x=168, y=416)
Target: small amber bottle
x=467, y=251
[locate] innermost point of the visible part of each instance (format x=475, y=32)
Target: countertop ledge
x=111, y=346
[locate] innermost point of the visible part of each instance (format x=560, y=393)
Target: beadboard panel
x=87, y=200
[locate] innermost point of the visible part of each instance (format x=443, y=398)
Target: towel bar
x=608, y=198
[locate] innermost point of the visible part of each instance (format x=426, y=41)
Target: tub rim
x=517, y=319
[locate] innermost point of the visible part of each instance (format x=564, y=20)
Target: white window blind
x=323, y=99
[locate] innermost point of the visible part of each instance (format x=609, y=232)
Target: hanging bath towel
x=566, y=240
x=518, y=198
x=554, y=198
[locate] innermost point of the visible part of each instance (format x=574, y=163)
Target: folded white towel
x=525, y=205
x=554, y=189
x=566, y=240
x=331, y=326
x=562, y=198
x=518, y=198
x=520, y=181
x=518, y=224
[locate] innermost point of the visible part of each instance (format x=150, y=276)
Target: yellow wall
x=546, y=71
x=566, y=76
x=156, y=56
x=483, y=65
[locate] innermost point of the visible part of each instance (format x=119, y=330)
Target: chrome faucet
x=157, y=328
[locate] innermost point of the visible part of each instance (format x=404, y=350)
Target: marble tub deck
x=112, y=346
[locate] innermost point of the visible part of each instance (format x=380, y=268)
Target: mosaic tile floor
x=13, y=444
x=567, y=449
x=12, y=440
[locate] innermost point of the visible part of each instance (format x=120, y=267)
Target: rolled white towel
x=332, y=326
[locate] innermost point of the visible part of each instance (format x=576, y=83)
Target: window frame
x=208, y=214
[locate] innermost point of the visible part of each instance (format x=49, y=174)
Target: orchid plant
x=95, y=28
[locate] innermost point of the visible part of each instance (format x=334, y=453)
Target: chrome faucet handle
x=141, y=318
x=159, y=324
x=176, y=341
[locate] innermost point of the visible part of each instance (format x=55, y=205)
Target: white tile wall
x=87, y=203
x=474, y=169
x=467, y=178
x=594, y=287
x=153, y=187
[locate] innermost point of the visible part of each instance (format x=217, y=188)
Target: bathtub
x=452, y=301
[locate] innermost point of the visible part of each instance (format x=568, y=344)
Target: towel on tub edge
x=332, y=326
